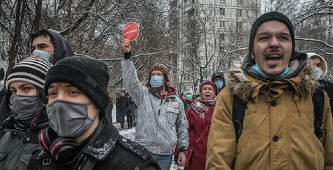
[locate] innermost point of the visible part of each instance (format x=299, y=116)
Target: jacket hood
x=62, y=48
x=296, y=64
x=244, y=80
x=323, y=61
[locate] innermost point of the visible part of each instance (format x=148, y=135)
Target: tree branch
x=78, y=21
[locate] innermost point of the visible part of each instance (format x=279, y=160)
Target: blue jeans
x=163, y=160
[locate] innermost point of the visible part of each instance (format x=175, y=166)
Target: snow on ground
x=129, y=134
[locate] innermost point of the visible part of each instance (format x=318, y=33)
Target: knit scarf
x=201, y=106
x=35, y=123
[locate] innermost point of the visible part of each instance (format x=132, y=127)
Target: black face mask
x=25, y=106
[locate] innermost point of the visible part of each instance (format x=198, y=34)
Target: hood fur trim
x=243, y=85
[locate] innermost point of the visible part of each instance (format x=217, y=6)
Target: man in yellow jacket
x=278, y=127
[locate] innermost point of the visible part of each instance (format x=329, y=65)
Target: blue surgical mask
x=219, y=84
x=188, y=96
x=45, y=55
x=156, y=81
x=277, y=77
x=318, y=72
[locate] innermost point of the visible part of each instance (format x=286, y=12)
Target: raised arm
x=130, y=78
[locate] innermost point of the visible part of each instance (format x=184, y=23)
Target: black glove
x=127, y=55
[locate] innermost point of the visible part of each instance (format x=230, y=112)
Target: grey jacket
x=161, y=121
x=16, y=149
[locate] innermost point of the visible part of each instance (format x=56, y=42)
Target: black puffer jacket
x=105, y=150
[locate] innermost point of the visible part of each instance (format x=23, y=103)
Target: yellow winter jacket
x=273, y=137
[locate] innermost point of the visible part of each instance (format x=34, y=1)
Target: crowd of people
x=272, y=112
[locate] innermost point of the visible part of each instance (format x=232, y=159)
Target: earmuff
x=62, y=150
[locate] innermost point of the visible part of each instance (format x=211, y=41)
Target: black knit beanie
x=85, y=73
x=269, y=16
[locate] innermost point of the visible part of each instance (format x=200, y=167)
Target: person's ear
x=252, y=55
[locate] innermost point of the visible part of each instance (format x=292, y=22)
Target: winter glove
x=127, y=55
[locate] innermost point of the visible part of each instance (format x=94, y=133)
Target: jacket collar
x=246, y=83
x=103, y=141
x=171, y=91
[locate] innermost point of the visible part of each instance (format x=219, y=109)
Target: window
x=222, y=11
x=221, y=36
x=239, y=1
x=239, y=25
x=191, y=13
x=222, y=24
x=240, y=37
x=192, y=25
x=221, y=49
x=239, y=12
x=222, y=1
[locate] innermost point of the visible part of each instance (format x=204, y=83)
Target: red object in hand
x=131, y=31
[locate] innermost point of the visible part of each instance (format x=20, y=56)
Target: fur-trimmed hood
x=246, y=82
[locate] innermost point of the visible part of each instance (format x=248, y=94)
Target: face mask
x=188, y=96
x=25, y=106
x=45, y=55
x=277, y=77
x=69, y=119
x=156, y=81
x=318, y=72
x=219, y=84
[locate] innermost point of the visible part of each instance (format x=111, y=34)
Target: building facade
x=212, y=33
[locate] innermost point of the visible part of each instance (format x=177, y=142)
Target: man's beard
x=156, y=89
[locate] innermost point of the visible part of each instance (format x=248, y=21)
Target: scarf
x=35, y=123
x=201, y=106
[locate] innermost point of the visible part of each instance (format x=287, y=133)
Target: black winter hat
x=269, y=16
x=217, y=74
x=85, y=73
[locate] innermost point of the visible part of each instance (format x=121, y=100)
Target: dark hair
x=42, y=32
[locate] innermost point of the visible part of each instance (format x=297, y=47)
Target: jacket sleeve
x=221, y=147
x=182, y=128
x=131, y=81
x=327, y=139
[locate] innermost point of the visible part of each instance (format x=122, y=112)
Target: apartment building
x=212, y=33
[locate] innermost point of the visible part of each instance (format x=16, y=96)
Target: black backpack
x=318, y=100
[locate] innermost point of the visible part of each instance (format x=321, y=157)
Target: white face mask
x=69, y=119
x=318, y=72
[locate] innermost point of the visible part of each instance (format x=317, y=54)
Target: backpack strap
x=238, y=114
x=318, y=99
